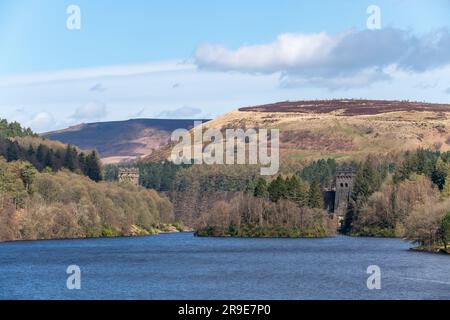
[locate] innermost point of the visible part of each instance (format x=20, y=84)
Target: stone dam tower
x=345, y=179
x=129, y=175
x=336, y=199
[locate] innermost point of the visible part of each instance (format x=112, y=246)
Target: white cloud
x=92, y=111
x=287, y=51
x=353, y=58
x=41, y=122
x=364, y=78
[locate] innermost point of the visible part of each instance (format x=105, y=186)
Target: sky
x=200, y=59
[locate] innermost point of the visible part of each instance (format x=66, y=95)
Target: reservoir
x=181, y=266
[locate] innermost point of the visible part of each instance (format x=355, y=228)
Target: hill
x=119, y=141
x=341, y=129
x=346, y=128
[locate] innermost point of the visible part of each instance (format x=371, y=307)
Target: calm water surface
x=180, y=266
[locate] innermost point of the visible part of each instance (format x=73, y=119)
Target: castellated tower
x=345, y=179
x=129, y=175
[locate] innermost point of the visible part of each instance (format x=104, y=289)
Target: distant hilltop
x=121, y=141
x=349, y=107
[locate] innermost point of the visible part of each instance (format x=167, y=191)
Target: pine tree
x=440, y=173
x=70, y=158
x=30, y=152
x=363, y=186
x=277, y=189
x=49, y=160
x=321, y=170
x=58, y=160
x=94, y=171
x=297, y=191
x=367, y=181
x=444, y=230
x=12, y=153
x=349, y=216
x=315, y=198
x=261, y=189
x=111, y=173
x=446, y=188
x=41, y=154
x=82, y=163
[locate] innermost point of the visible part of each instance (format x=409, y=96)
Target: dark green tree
x=277, y=189
x=444, y=230
x=440, y=173
x=41, y=154
x=12, y=153
x=94, y=170
x=70, y=158
x=261, y=189
x=315, y=196
x=367, y=181
x=322, y=170
x=49, y=161
x=111, y=172
x=297, y=191
x=30, y=152
x=82, y=163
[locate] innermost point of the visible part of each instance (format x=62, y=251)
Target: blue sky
x=203, y=58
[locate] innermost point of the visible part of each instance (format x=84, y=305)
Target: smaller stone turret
x=129, y=175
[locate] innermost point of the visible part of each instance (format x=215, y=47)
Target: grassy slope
x=337, y=133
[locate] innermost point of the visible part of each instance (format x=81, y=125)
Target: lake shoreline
x=94, y=238
x=421, y=249
x=435, y=250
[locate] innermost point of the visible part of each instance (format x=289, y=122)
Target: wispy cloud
x=180, y=113
x=98, y=88
x=365, y=78
x=95, y=73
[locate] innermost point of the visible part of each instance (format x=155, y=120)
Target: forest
x=44, y=157
x=410, y=199
x=56, y=192
x=17, y=143
x=14, y=129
